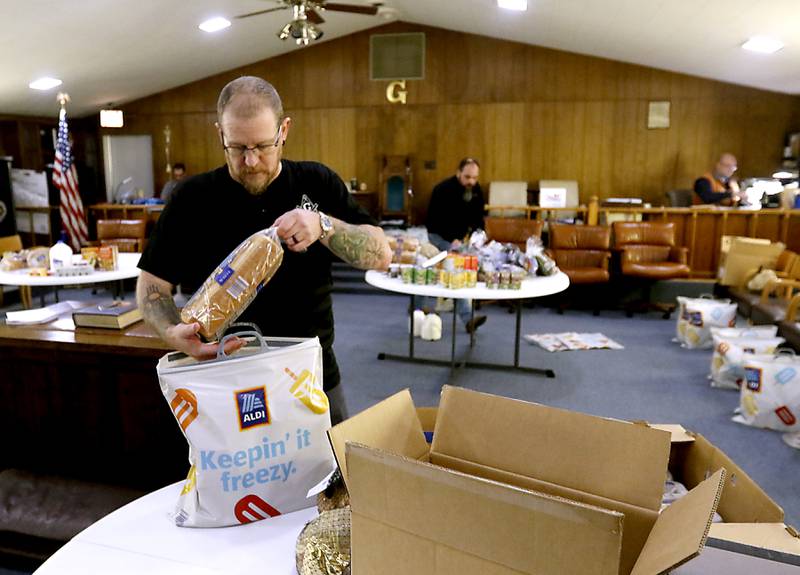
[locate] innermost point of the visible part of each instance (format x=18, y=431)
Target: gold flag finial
x=167, y=139
x=62, y=98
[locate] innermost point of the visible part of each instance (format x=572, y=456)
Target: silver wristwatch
x=326, y=224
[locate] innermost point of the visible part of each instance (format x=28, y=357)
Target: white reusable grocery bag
x=256, y=424
x=697, y=316
x=770, y=395
x=730, y=353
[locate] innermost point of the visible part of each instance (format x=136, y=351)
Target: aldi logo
x=252, y=407
x=752, y=377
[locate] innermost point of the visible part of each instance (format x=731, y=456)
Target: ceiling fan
x=306, y=16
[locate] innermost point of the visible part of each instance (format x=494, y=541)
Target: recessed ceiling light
x=762, y=44
x=520, y=5
x=44, y=83
x=214, y=24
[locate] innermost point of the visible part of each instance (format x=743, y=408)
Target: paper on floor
x=571, y=340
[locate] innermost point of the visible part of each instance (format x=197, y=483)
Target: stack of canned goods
x=418, y=275
x=458, y=271
x=505, y=278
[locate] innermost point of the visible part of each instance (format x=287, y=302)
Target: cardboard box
x=740, y=258
x=513, y=487
x=751, y=517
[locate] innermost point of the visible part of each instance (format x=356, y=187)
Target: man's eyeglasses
x=259, y=149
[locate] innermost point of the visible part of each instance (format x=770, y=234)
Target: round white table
x=532, y=287
x=141, y=538
x=126, y=268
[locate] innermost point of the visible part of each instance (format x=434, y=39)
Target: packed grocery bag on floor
x=732, y=346
x=697, y=316
x=256, y=425
x=770, y=395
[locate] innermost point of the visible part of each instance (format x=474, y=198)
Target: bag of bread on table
x=234, y=284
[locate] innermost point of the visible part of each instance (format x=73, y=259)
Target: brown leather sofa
x=127, y=235
x=512, y=230
x=647, y=253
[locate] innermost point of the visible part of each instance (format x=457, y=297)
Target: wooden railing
x=698, y=228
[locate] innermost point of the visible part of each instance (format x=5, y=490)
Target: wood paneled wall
x=527, y=113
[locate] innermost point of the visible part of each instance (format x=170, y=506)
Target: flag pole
x=63, y=98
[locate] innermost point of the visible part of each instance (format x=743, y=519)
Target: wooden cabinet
x=86, y=404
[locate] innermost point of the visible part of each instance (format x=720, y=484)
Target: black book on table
x=112, y=314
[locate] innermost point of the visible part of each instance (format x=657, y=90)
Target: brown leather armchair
x=512, y=230
x=647, y=253
x=127, y=235
x=582, y=252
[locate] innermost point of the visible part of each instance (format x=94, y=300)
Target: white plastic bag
x=770, y=396
x=256, y=424
x=730, y=354
x=697, y=316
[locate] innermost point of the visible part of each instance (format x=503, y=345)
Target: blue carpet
x=652, y=379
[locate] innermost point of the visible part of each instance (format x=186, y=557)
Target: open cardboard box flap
x=775, y=536
x=490, y=445
x=391, y=425
x=694, y=458
x=590, y=454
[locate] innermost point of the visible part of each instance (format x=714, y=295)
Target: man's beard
x=255, y=182
x=468, y=194
x=255, y=188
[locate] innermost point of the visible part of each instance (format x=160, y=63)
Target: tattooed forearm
x=158, y=307
x=364, y=247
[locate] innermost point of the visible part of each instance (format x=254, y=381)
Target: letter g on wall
x=396, y=92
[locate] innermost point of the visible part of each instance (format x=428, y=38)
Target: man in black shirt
x=456, y=210
x=212, y=213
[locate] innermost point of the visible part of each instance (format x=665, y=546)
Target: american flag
x=65, y=178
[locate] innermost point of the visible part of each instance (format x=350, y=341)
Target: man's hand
x=154, y=298
x=183, y=337
x=299, y=229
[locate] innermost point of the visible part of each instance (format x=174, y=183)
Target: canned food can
x=407, y=273
x=419, y=275
x=431, y=276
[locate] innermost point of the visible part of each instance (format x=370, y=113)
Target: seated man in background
x=178, y=172
x=718, y=187
x=455, y=211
